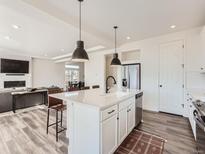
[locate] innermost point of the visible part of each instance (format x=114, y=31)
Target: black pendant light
x=80, y=55
x=115, y=61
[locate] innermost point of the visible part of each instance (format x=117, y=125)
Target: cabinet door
x=122, y=132
x=191, y=119
x=190, y=113
x=131, y=117
x=109, y=135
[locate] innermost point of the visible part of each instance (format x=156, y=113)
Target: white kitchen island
x=97, y=123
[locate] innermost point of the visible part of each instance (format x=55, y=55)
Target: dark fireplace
x=14, y=84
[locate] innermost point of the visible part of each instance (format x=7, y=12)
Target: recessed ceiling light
x=7, y=37
x=62, y=49
x=128, y=37
x=15, y=26
x=45, y=55
x=173, y=26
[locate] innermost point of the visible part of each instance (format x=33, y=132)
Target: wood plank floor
x=175, y=129
x=25, y=133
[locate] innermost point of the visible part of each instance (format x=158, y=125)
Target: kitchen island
x=97, y=123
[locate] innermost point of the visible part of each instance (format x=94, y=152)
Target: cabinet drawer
x=109, y=112
x=126, y=103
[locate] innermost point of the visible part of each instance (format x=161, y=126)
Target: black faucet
x=107, y=89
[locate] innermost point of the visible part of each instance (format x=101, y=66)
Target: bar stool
x=58, y=106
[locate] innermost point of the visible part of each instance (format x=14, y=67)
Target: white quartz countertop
x=197, y=94
x=96, y=97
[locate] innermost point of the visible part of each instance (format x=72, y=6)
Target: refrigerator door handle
x=128, y=77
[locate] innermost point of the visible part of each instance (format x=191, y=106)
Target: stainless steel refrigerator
x=131, y=79
x=131, y=76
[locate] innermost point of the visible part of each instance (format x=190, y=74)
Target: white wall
x=150, y=63
x=110, y=71
x=95, y=70
x=47, y=73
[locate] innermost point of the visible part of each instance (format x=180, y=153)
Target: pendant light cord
x=80, y=20
x=115, y=27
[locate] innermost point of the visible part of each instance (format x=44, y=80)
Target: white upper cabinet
x=195, y=52
x=203, y=40
x=203, y=50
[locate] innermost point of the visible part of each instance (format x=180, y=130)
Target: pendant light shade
x=80, y=55
x=115, y=61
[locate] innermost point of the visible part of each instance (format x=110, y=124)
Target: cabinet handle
x=128, y=110
x=111, y=111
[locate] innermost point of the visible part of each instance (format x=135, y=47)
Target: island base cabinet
x=109, y=129
x=131, y=117
x=122, y=125
x=95, y=131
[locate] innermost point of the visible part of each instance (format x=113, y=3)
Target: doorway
x=171, y=77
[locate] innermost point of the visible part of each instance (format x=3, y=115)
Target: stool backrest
x=95, y=86
x=85, y=88
x=54, y=101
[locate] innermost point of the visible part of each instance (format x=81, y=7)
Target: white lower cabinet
x=117, y=127
x=122, y=125
x=131, y=117
x=191, y=119
x=109, y=129
x=94, y=130
x=191, y=109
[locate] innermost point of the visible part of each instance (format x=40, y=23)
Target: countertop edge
x=95, y=106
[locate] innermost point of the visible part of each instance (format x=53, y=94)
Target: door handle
x=160, y=86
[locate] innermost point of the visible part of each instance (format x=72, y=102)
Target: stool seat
x=60, y=107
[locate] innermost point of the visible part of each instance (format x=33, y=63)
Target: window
x=72, y=74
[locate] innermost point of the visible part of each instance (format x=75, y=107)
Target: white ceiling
x=39, y=35
x=50, y=25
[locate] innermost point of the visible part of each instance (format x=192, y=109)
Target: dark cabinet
x=22, y=100
x=5, y=102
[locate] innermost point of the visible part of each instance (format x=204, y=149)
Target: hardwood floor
x=25, y=133
x=175, y=129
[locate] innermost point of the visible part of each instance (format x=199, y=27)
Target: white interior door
x=171, y=77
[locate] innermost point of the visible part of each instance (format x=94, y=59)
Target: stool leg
x=48, y=120
x=56, y=125
x=61, y=118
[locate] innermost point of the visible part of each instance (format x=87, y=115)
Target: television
x=14, y=66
